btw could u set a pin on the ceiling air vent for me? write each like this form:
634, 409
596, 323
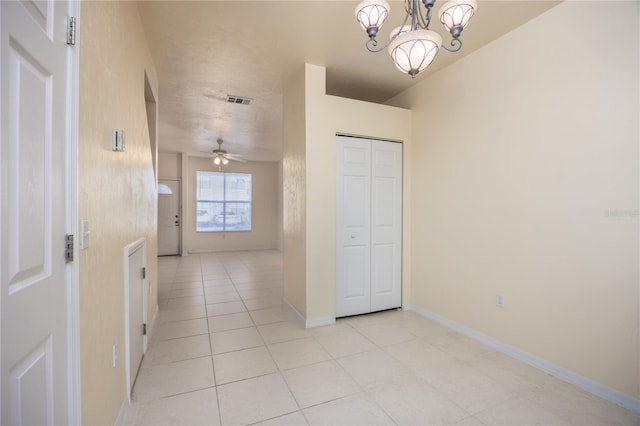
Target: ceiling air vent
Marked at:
238, 100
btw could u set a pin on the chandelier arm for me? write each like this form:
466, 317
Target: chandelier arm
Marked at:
456, 44
424, 21
404, 22
372, 45
407, 7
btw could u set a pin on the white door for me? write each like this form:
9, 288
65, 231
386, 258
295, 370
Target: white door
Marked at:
353, 227
386, 225
169, 221
136, 317
368, 225
34, 292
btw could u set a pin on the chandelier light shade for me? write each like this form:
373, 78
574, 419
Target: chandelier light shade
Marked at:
371, 14
399, 30
413, 51
413, 46
455, 14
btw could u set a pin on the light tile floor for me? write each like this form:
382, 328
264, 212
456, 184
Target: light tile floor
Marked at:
223, 351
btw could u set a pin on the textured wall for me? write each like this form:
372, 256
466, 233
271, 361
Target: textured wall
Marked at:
264, 232
525, 177
116, 192
326, 116
169, 165
294, 193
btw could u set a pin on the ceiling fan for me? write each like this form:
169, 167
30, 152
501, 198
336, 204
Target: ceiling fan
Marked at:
222, 157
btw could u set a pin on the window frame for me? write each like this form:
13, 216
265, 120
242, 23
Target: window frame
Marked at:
209, 176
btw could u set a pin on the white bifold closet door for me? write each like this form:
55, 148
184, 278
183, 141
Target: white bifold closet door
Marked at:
368, 225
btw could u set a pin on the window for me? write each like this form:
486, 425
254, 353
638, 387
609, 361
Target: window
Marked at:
224, 202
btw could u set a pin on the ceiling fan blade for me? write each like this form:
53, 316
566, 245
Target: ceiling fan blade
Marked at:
235, 157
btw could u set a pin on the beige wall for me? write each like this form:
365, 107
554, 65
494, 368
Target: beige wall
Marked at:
267, 208
116, 193
264, 233
324, 117
294, 193
525, 170
169, 165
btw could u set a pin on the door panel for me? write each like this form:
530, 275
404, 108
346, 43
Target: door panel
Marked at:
136, 313
29, 205
383, 198
383, 272
28, 377
368, 225
353, 223
33, 123
386, 229
355, 273
169, 219
356, 206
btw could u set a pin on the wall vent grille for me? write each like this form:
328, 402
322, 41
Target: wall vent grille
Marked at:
238, 100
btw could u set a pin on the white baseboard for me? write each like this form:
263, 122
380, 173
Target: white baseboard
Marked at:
319, 322
123, 414
150, 328
294, 312
300, 318
225, 250
542, 364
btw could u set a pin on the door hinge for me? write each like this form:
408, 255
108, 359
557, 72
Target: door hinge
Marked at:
71, 31
68, 248
144, 273
144, 329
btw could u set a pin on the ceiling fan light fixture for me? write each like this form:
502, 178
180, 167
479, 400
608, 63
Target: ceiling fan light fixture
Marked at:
221, 157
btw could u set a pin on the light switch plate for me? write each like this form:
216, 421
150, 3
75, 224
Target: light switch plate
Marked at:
118, 140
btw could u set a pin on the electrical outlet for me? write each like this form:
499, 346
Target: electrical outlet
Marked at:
115, 354
500, 301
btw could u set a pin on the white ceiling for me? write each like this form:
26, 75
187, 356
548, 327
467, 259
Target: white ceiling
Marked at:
206, 50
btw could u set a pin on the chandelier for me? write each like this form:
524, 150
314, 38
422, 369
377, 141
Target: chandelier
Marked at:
413, 46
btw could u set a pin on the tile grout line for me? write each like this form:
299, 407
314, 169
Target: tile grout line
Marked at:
213, 369
279, 370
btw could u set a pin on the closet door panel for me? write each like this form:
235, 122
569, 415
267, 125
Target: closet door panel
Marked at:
353, 228
368, 225
386, 225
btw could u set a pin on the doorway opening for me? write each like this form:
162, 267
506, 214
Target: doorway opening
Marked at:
169, 217
150, 103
